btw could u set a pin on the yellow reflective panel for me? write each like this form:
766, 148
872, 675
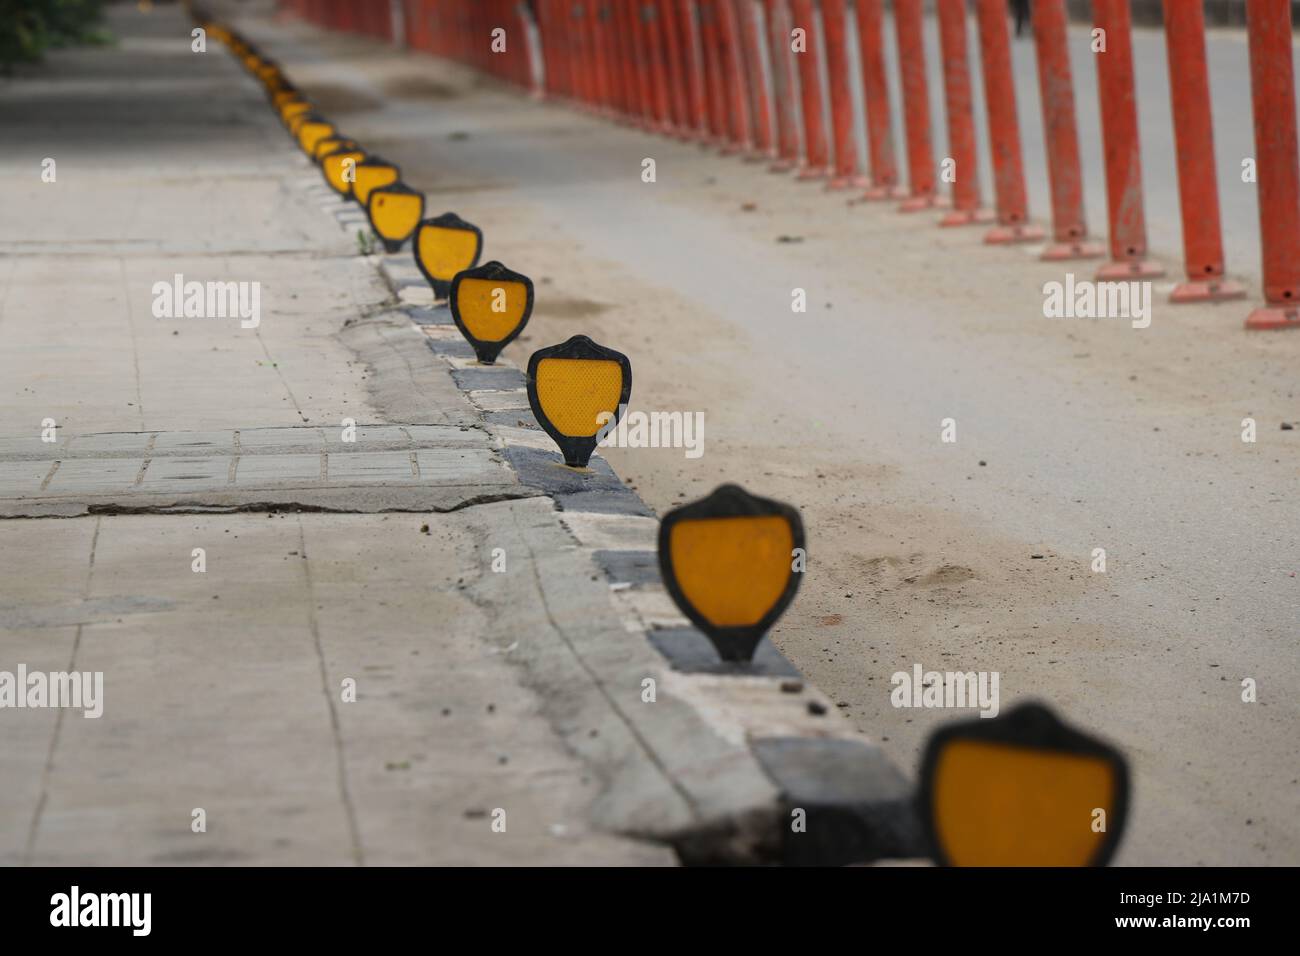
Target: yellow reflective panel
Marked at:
394, 215
574, 392
997, 804
294, 107
284, 97
491, 308
328, 145
732, 570
334, 166
297, 122
312, 132
372, 177
444, 252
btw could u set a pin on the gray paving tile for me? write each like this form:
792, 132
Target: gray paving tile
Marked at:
184, 472
22, 477
110, 443
95, 476
222, 442
251, 439
369, 467
462, 466
277, 469
31, 446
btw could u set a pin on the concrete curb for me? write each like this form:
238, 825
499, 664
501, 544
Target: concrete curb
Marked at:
751, 764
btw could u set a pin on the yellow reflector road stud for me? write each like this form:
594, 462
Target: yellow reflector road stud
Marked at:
1022, 789
312, 132
331, 144
729, 562
394, 210
444, 247
372, 173
293, 108
296, 122
335, 168
491, 306
578, 391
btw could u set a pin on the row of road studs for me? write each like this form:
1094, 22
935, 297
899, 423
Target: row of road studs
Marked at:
1022, 789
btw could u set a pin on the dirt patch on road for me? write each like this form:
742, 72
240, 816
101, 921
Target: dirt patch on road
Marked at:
332, 98
419, 87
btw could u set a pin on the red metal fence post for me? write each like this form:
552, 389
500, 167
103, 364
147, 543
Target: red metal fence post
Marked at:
658, 48
645, 65
875, 90
714, 72
733, 57
1004, 128
967, 206
1122, 146
694, 53
816, 150
625, 43
909, 26
1198, 188
1272, 87
1056, 90
599, 20
752, 46
838, 73
679, 85
778, 32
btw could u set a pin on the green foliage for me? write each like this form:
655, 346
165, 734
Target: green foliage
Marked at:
29, 27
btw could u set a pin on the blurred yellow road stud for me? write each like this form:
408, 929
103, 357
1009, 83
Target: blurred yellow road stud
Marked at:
394, 210
339, 169
445, 246
329, 145
312, 131
1022, 789
371, 173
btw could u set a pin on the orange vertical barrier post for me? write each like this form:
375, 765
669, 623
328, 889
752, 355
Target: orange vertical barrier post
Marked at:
644, 68
1198, 187
626, 60
908, 26
816, 151
787, 128
1272, 87
604, 67
834, 18
693, 51
875, 92
679, 84
714, 76
752, 47
1004, 128
733, 57
658, 49
967, 208
1056, 90
1122, 146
